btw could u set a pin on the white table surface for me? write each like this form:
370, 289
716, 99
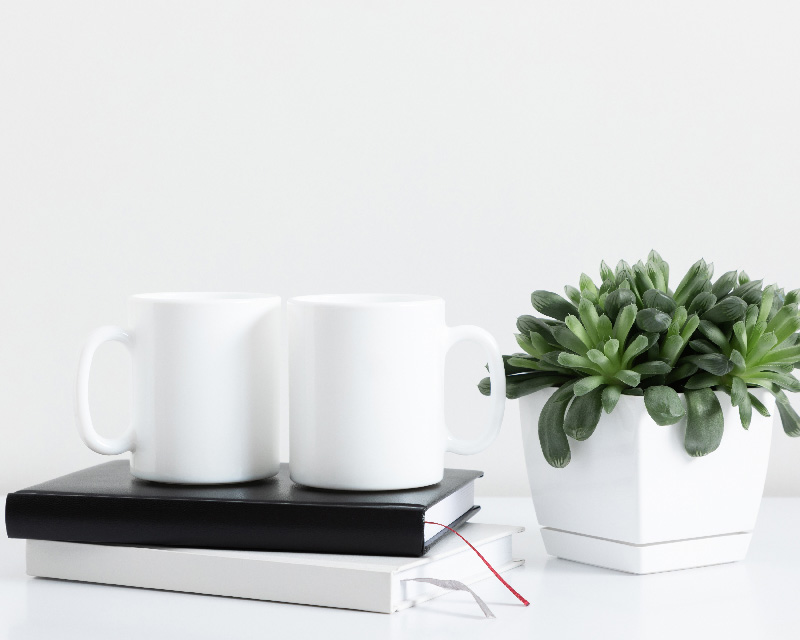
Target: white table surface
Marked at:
754, 599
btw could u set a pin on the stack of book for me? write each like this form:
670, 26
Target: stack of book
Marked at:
266, 540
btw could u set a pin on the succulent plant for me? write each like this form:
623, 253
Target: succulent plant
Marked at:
633, 335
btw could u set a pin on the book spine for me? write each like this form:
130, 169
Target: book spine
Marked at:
344, 529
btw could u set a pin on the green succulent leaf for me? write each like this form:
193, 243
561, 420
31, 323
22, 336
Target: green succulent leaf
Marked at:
631, 378
724, 284
671, 349
530, 324
573, 295
552, 305
605, 272
703, 346
583, 415
519, 386
717, 364
574, 361
730, 309
552, 438
653, 368
738, 361
787, 354
679, 318
526, 345
610, 397
759, 406
751, 317
587, 384
632, 391
623, 270
789, 418
738, 392
540, 344
611, 350
569, 340
664, 405
767, 298
784, 316
604, 328
588, 288
652, 340
740, 337
618, 300
754, 334
575, 325
689, 328
590, 319
750, 291
510, 369
688, 283
713, 333
658, 269
777, 367
702, 380
704, 422
601, 360
655, 299
606, 287
784, 381
624, 322
785, 331
642, 278
525, 363
762, 347
637, 346
702, 302
746, 411
681, 371
653, 320
549, 362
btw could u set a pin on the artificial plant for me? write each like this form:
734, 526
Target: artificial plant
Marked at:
634, 335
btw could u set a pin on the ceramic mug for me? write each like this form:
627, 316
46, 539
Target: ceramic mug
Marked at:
366, 389
205, 387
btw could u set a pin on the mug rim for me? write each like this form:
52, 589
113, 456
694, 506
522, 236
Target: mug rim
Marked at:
202, 297
353, 300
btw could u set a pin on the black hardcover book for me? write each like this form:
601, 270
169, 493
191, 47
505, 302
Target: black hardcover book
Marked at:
105, 504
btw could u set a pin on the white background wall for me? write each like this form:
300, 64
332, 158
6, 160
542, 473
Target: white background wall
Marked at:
474, 150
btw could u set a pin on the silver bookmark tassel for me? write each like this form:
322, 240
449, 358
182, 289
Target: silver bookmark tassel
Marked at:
455, 585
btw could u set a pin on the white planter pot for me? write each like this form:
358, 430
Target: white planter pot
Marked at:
632, 499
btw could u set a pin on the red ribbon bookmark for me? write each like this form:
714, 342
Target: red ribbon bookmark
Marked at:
485, 561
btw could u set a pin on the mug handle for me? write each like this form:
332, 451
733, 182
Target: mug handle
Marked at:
498, 397
83, 418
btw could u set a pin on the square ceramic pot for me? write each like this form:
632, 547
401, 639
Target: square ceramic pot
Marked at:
632, 499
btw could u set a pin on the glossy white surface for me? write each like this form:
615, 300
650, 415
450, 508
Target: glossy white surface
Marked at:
632, 480
206, 385
747, 600
366, 388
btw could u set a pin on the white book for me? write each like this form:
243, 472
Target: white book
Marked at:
367, 583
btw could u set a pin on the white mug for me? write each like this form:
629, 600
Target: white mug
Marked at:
366, 389
206, 387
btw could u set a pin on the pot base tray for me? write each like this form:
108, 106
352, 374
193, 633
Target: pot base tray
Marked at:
646, 558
